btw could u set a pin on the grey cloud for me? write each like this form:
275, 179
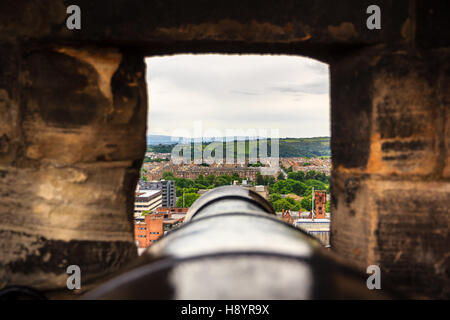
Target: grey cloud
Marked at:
246, 93
227, 91
309, 88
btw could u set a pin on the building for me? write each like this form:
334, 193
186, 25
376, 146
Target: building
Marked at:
320, 201
194, 171
151, 227
318, 228
318, 164
147, 200
263, 191
167, 188
148, 229
172, 223
286, 216
172, 210
168, 212
173, 217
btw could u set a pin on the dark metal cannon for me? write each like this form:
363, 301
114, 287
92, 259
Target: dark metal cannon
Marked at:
232, 246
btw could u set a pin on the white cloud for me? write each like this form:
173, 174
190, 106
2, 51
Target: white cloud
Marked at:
288, 93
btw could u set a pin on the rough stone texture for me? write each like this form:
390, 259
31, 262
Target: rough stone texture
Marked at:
390, 182
73, 116
73, 138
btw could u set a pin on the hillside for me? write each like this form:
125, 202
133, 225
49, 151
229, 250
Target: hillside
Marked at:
305, 147
289, 147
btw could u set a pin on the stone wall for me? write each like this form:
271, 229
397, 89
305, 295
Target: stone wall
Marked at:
390, 177
72, 141
73, 119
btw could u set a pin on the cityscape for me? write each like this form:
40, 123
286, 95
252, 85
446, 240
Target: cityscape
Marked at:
298, 191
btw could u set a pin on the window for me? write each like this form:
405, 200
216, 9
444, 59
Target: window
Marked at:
209, 99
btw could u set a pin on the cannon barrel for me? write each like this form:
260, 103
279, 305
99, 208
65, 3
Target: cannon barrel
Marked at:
233, 246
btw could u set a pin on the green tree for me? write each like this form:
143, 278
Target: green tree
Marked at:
210, 180
144, 213
289, 186
143, 173
189, 199
270, 180
257, 164
190, 190
200, 186
286, 204
167, 175
297, 206
298, 187
259, 179
201, 180
290, 200
312, 174
318, 185
274, 197
181, 183
282, 187
223, 180
305, 203
281, 204
299, 176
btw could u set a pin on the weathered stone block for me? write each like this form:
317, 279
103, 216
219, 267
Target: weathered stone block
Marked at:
402, 226
66, 193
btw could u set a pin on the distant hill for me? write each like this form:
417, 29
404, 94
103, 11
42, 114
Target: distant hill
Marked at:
153, 140
161, 139
289, 147
305, 147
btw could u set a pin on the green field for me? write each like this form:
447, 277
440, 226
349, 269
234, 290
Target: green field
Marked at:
289, 147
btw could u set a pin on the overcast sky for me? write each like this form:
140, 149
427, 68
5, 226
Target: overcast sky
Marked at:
288, 93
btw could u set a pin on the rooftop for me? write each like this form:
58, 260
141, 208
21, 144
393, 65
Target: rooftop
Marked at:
147, 193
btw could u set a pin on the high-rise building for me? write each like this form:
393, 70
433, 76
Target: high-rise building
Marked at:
167, 188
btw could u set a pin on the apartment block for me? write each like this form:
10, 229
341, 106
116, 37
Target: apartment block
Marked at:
148, 229
147, 200
167, 187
